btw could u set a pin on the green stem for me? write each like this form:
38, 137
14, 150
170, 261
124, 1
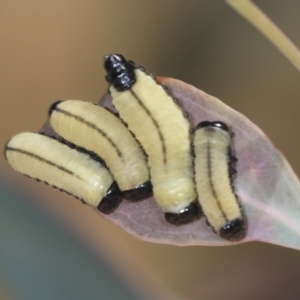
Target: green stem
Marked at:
258, 19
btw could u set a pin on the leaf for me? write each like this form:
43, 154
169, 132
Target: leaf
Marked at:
267, 187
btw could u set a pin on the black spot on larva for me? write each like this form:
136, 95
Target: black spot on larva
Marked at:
153, 76
111, 200
165, 88
186, 215
185, 114
208, 224
175, 100
120, 72
233, 159
233, 230
138, 193
53, 106
143, 69
232, 171
193, 154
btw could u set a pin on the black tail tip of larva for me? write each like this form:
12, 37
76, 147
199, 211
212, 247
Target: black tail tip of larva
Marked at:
216, 124
111, 200
186, 215
234, 230
53, 106
138, 193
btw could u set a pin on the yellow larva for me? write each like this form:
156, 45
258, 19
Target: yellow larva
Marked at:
213, 173
48, 160
98, 130
164, 133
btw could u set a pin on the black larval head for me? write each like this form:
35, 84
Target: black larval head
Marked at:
120, 72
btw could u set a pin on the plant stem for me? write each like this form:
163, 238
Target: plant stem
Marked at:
254, 15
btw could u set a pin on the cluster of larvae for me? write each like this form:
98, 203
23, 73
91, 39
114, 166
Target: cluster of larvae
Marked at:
148, 148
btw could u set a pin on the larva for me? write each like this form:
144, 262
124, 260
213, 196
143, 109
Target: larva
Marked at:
214, 181
163, 131
98, 130
46, 159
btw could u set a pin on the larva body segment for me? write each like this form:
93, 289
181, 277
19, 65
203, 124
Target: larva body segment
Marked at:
163, 131
213, 174
98, 130
48, 160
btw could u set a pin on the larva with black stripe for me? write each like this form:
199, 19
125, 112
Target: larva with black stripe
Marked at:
48, 160
159, 125
98, 130
214, 180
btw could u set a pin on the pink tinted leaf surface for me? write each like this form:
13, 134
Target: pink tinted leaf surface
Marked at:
266, 185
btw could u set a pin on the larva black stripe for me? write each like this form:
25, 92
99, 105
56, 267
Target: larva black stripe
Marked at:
161, 137
211, 184
48, 162
92, 126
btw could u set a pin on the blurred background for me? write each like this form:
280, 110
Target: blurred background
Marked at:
54, 49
